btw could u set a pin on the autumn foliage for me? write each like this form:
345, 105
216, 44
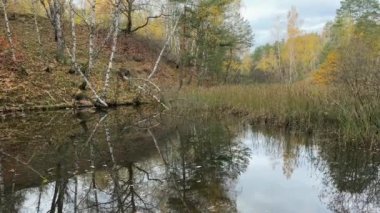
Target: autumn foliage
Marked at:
325, 74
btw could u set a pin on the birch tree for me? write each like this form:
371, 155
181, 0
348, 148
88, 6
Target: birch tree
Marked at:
8, 29
58, 31
129, 7
34, 11
91, 46
116, 21
293, 32
54, 12
277, 36
76, 67
73, 33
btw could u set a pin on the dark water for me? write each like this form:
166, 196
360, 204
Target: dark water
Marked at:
139, 161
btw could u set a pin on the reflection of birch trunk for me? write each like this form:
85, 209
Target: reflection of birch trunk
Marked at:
76, 165
59, 191
116, 20
1, 182
131, 187
8, 29
173, 176
94, 187
157, 147
39, 198
89, 142
96, 128
61, 195
114, 173
183, 167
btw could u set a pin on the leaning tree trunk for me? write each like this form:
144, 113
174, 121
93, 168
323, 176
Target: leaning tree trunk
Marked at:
74, 61
91, 51
9, 34
164, 48
58, 31
116, 22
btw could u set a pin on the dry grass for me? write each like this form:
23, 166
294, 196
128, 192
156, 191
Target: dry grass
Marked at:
300, 106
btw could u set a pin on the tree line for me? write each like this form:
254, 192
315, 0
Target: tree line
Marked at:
337, 54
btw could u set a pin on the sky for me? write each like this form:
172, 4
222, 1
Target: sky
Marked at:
262, 15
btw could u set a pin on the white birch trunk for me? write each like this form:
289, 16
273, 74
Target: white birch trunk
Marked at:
9, 34
58, 29
98, 98
34, 10
73, 57
163, 49
116, 21
73, 34
91, 52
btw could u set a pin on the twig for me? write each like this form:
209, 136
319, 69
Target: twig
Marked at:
147, 174
23, 163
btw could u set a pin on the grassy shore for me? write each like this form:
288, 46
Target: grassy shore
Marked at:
300, 106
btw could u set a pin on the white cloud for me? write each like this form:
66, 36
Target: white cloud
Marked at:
262, 15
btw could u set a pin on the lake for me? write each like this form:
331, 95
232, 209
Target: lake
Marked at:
138, 160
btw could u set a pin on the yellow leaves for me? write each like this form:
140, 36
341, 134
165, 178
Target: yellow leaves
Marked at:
217, 15
246, 64
212, 12
20, 6
325, 74
293, 30
308, 48
154, 30
242, 65
268, 62
304, 50
103, 11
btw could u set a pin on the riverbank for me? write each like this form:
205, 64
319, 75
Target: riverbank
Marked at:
300, 106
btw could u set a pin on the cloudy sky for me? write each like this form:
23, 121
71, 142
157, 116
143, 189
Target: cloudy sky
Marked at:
262, 15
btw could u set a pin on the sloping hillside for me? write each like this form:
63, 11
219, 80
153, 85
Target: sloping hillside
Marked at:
28, 83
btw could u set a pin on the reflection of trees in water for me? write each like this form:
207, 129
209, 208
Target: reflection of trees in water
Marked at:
292, 149
205, 161
350, 172
110, 163
8, 199
106, 163
109, 184
352, 179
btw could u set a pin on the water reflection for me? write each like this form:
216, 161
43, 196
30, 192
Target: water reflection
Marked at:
139, 161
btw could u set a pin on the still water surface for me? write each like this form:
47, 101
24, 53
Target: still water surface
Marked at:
139, 161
